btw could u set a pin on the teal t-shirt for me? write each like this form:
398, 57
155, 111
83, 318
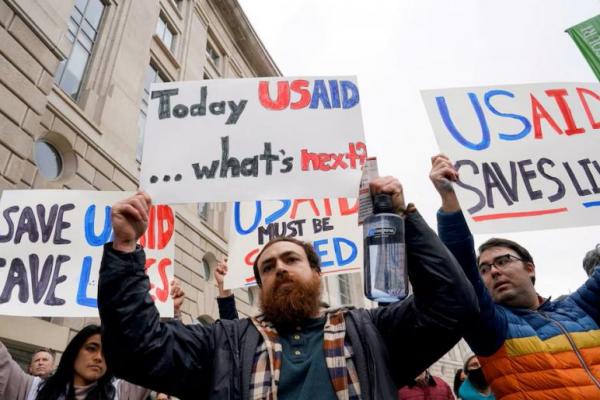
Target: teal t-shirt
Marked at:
304, 374
468, 392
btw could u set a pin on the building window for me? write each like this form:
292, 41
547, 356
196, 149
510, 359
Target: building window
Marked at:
48, 159
344, 283
83, 31
203, 211
152, 76
165, 32
212, 54
206, 267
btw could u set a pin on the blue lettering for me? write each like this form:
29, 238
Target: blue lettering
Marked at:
321, 252
90, 234
350, 96
335, 93
485, 130
285, 206
84, 279
320, 93
526, 124
337, 247
237, 218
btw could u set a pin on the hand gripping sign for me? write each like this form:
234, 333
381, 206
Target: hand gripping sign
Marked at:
528, 156
51, 244
247, 139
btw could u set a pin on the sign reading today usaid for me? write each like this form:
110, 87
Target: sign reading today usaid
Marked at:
253, 139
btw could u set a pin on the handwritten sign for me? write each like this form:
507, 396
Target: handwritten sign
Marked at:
329, 224
528, 156
247, 139
51, 244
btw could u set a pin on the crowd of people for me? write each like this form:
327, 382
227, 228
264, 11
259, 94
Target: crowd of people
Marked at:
525, 346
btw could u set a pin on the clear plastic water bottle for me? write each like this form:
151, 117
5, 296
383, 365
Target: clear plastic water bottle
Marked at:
385, 275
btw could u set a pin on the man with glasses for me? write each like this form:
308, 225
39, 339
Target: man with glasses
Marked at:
529, 347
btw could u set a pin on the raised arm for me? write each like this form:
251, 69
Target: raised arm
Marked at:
588, 296
422, 328
165, 356
225, 299
485, 333
14, 382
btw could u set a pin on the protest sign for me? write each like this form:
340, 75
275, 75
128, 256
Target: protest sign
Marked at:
51, 244
586, 36
329, 224
247, 139
528, 156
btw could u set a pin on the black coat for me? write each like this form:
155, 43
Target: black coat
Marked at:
391, 344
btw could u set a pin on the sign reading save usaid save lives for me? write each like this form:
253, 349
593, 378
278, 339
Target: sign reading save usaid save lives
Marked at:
248, 139
528, 156
51, 244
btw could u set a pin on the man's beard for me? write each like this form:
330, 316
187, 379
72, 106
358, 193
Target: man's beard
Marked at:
293, 303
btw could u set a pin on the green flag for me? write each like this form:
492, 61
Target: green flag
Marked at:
587, 37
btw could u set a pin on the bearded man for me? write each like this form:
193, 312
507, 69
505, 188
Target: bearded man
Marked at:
294, 349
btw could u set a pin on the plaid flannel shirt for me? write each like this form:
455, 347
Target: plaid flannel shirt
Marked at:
338, 358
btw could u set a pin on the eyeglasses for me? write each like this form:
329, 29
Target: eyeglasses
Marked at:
498, 262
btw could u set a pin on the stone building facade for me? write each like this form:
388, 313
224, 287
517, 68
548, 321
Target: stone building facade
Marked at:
74, 82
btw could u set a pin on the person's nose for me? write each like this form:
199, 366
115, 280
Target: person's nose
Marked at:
494, 271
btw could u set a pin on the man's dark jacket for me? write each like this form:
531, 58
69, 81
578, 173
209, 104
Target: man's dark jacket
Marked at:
391, 344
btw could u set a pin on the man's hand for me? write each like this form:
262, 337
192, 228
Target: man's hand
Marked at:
178, 295
130, 220
220, 272
442, 175
391, 186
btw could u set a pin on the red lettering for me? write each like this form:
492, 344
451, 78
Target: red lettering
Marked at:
581, 92
339, 161
164, 215
298, 86
559, 96
297, 202
283, 95
163, 293
306, 157
538, 112
345, 209
323, 160
249, 259
327, 204
320, 161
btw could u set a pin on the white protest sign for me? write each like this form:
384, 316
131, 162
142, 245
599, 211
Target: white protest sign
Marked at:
329, 224
528, 156
51, 244
247, 139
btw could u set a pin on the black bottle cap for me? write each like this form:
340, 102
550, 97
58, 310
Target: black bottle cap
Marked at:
382, 203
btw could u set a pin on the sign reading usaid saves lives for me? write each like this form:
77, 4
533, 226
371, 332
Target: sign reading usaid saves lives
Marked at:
51, 244
528, 156
248, 139
329, 224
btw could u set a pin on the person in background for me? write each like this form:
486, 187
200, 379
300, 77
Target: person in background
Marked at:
591, 260
42, 363
459, 378
529, 347
475, 387
426, 387
82, 374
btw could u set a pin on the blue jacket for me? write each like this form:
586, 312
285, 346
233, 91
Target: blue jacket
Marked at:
549, 353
